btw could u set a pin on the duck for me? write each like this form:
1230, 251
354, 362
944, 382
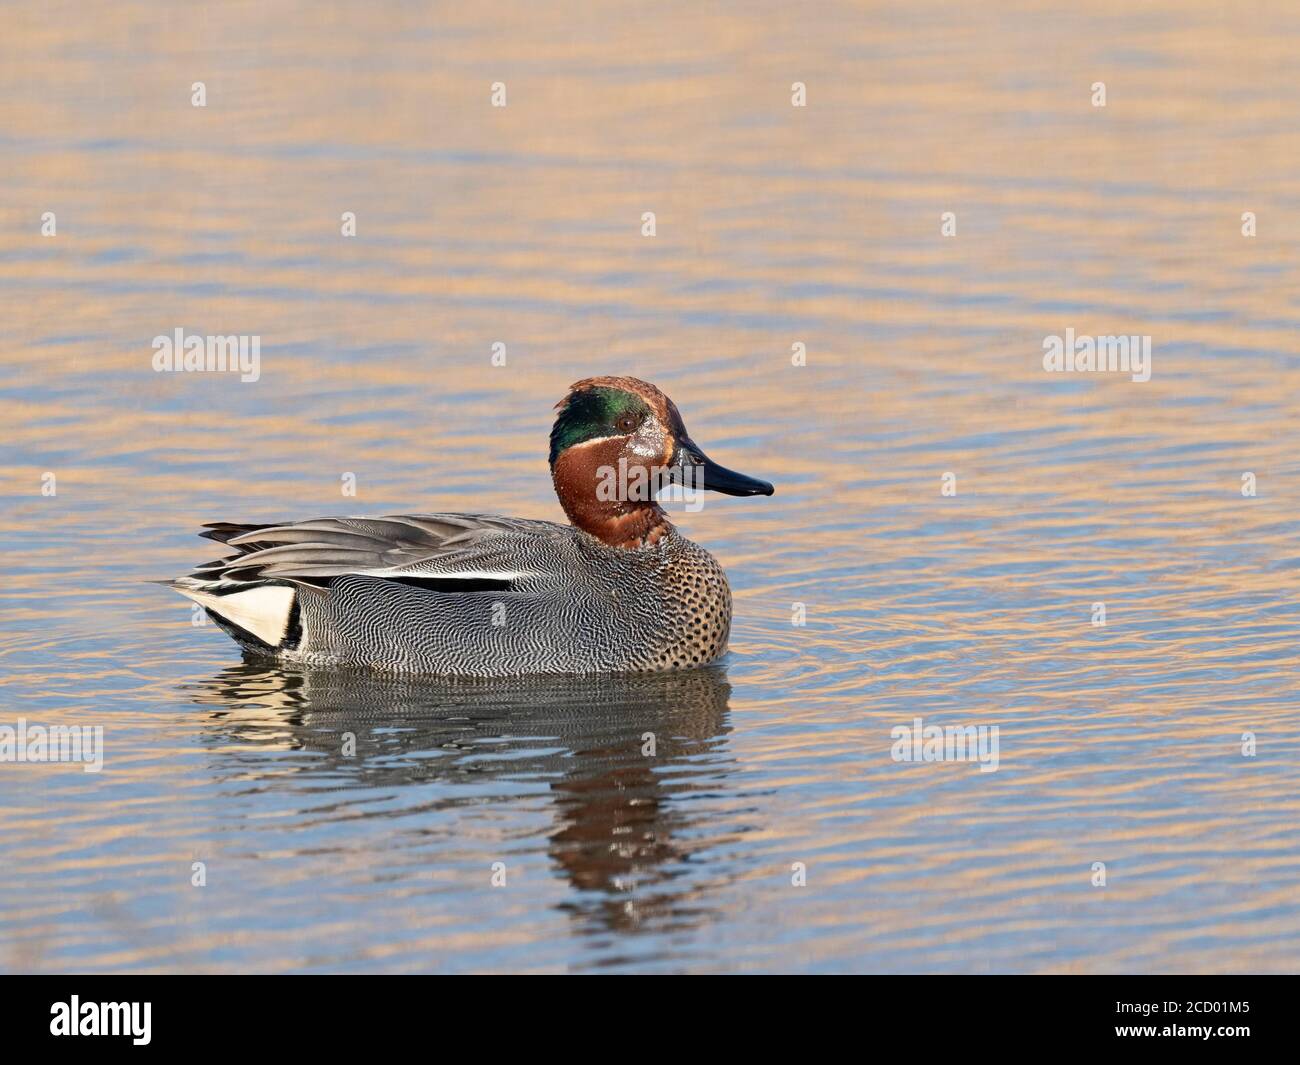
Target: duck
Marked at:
619, 589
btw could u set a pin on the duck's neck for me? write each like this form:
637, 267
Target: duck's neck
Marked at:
621, 523
640, 525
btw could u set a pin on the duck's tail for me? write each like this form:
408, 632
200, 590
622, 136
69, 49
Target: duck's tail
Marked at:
260, 615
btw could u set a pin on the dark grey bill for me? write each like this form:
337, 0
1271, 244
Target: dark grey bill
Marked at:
694, 468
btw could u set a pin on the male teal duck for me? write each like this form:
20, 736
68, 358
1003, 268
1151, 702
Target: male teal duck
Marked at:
618, 590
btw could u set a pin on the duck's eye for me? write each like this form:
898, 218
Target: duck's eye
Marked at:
626, 423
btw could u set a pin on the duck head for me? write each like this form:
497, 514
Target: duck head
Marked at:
615, 441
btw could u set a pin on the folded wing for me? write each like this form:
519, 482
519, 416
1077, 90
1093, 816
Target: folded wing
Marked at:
438, 548
254, 592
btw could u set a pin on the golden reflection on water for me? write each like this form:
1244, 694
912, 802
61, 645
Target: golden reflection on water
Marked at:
616, 827
775, 225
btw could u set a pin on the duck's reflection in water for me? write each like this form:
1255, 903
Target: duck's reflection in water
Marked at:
621, 754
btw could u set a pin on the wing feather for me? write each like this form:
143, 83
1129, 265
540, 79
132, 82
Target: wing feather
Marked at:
471, 547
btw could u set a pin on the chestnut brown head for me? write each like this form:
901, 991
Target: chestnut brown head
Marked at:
625, 428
